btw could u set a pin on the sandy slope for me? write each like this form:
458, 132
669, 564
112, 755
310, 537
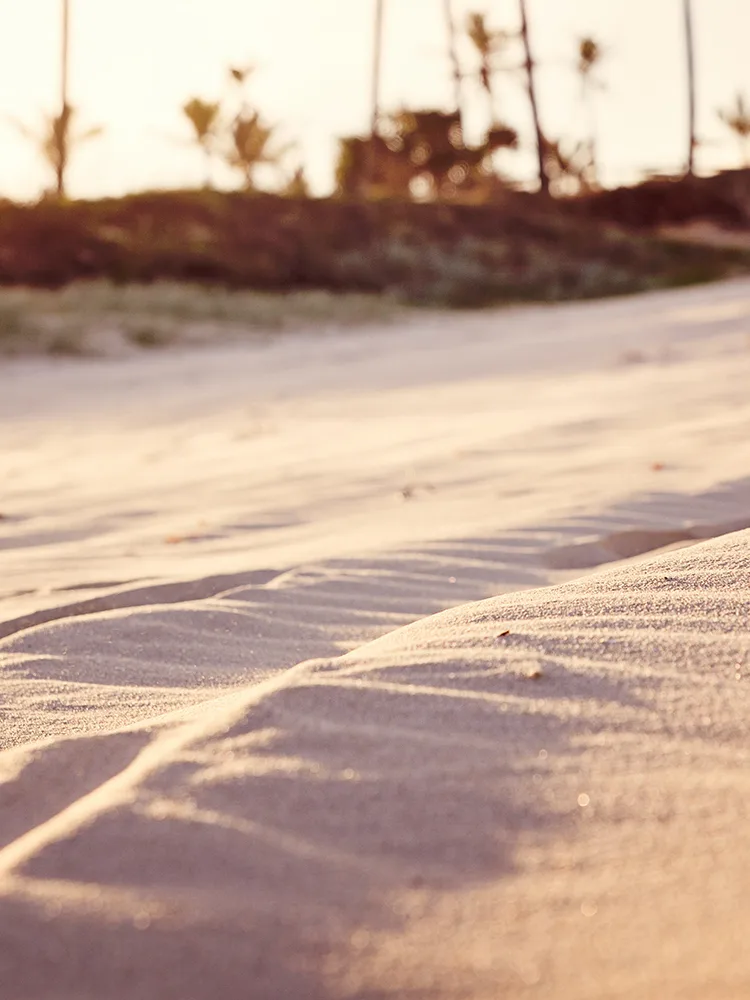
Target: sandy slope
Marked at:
448, 810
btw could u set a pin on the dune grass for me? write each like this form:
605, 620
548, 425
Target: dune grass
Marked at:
101, 318
171, 268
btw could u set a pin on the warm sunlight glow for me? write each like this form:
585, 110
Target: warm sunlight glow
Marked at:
134, 64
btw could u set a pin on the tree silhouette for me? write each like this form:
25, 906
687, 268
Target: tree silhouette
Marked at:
241, 74
488, 44
296, 185
236, 131
419, 153
56, 140
590, 55
531, 85
205, 117
377, 68
690, 55
737, 118
253, 145
369, 167
568, 167
456, 74
63, 119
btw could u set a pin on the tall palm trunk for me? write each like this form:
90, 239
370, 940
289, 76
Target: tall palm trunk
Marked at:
453, 56
587, 99
690, 53
377, 63
540, 141
62, 160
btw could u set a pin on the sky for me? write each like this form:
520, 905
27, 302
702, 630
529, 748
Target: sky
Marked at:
134, 63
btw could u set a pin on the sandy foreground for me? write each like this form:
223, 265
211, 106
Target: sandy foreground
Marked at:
259, 740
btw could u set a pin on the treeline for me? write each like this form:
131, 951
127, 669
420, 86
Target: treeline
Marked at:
416, 154
446, 255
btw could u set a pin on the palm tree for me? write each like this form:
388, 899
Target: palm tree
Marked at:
252, 146
590, 55
737, 118
240, 74
56, 140
690, 53
377, 66
234, 100
204, 116
64, 116
296, 185
488, 44
453, 56
252, 142
540, 140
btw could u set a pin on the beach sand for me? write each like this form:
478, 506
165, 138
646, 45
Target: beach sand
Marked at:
408, 662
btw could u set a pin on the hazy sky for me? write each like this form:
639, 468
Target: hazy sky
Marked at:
135, 62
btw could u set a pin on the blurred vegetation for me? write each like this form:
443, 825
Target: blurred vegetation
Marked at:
421, 154
737, 118
56, 140
204, 118
420, 216
235, 132
590, 57
493, 47
416, 153
433, 254
102, 318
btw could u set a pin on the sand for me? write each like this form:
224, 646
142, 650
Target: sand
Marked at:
397, 663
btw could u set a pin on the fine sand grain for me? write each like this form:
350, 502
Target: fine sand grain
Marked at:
407, 663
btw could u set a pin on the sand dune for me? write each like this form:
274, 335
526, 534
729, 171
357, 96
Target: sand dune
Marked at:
545, 790
380, 667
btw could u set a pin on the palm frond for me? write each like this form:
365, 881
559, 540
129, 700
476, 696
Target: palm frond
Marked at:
203, 116
737, 117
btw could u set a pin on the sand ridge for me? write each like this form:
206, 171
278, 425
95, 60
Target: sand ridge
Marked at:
570, 760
